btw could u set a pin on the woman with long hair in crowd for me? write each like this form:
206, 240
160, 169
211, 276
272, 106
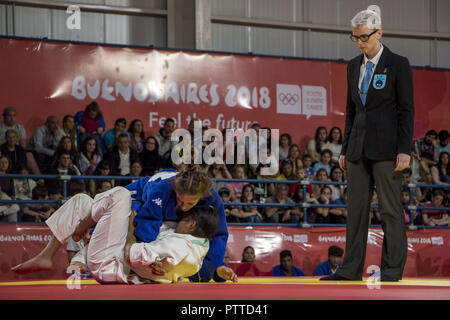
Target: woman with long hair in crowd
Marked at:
285, 143
316, 144
295, 157
137, 135
103, 169
70, 130
149, 156
89, 157
334, 144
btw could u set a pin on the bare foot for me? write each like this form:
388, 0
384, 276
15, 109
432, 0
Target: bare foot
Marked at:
35, 264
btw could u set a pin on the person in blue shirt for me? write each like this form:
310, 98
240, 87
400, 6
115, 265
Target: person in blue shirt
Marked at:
286, 267
330, 266
163, 197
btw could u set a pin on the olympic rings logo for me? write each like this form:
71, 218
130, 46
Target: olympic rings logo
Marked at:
288, 98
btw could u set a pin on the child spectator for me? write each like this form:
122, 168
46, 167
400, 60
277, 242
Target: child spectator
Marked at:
332, 264
436, 217
307, 165
417, 218
248, 254
295, 157
321, 214
104, 185
37, 212
286, 267
337, 175
103, 169
321, 176
287, 172
334, 144
236, 187
325, 161
285, 143
90, 156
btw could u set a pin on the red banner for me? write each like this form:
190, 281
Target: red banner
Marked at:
226, 91
428, 249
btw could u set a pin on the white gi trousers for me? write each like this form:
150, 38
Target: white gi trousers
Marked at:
105, 252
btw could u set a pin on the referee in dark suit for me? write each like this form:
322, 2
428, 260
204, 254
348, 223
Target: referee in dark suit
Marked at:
379, 127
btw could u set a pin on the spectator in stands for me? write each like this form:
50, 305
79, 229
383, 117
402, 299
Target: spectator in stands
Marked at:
136, 168
436, 217
121, 156
103, 169
231, 213
407, 179
322, 214
287, 170
416, 216
282, 214
89, 157
315, 145
44, 141
330, 266
150, 157
64, 166
66, 145
339, 215
90, 122
249, 214
285, 143
238, 172
374, 213
23, 188
307, 165
263, 190
334, 144
295, 157
426, 192
35, 212
9, 122
325, 161
337, 175
300, 176
137, 135
425, 151
248, 254
441, 171
218, 171
163, 138
286, 267
15, 152
6, 184
111, 135
104, 185
321, 176
55, 194
70, 129
443, 144
8, 212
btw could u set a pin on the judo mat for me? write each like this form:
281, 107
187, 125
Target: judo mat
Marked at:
261, 288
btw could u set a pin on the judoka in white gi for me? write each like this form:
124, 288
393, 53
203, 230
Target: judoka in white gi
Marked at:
179, 247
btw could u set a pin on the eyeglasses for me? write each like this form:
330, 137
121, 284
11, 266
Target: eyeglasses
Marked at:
363, 37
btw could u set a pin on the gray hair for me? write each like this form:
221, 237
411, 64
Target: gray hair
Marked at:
371, 18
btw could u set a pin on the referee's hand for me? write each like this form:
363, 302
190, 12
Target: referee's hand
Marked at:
402, 163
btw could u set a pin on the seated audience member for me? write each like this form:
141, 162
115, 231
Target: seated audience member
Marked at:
89, 156
44, 141
137, 136
425, 151
90, 122
70, 129
121, 156
263, 190
14, 151
23, 187
440, 173
407, 179
9, 123
436, 217
300, 176
150, 158
104, 185
332, 264
8, 211
443, 145
315, 145
334, 144
322, 214
339, 215
307, 165
65, 145
374, 213
286, 267
165, 144
286, 170
285, 143
136, 168
416, 216
282, 214
36, 212
295, 157
103, 169
218, 171
110, 137
248, 214
231, 213
6, 184
337, 175
64, 166
325, 161
238, 172
248, 254
320, 176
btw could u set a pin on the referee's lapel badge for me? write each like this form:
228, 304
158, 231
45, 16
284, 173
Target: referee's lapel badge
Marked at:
379, 81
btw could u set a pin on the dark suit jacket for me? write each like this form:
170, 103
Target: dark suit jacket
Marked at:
113, 158
385, 126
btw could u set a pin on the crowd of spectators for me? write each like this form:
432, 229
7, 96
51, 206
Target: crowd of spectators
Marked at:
83, 145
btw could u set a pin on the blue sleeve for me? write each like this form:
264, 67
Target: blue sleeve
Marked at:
217, 246
101, 122
149, 218
276, 271
108, 138
137, 192
78, 118
299, 272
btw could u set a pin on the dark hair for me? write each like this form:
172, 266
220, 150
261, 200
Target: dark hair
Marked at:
243, 251
39, 192
288, 136
170, 120
131, 127
74, 187
60, 149
104, 164
246, 186
154, 139
439, 165
330, 137
335, 251
431, 133
443, 135
207, 220
285, 253
121, 120
93, 106
334, 169
192, 180
83, 147
9, 162
316, 137
326, 151
438, 192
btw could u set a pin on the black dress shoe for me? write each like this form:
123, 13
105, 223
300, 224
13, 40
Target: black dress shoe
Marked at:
386, 278
334, 277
